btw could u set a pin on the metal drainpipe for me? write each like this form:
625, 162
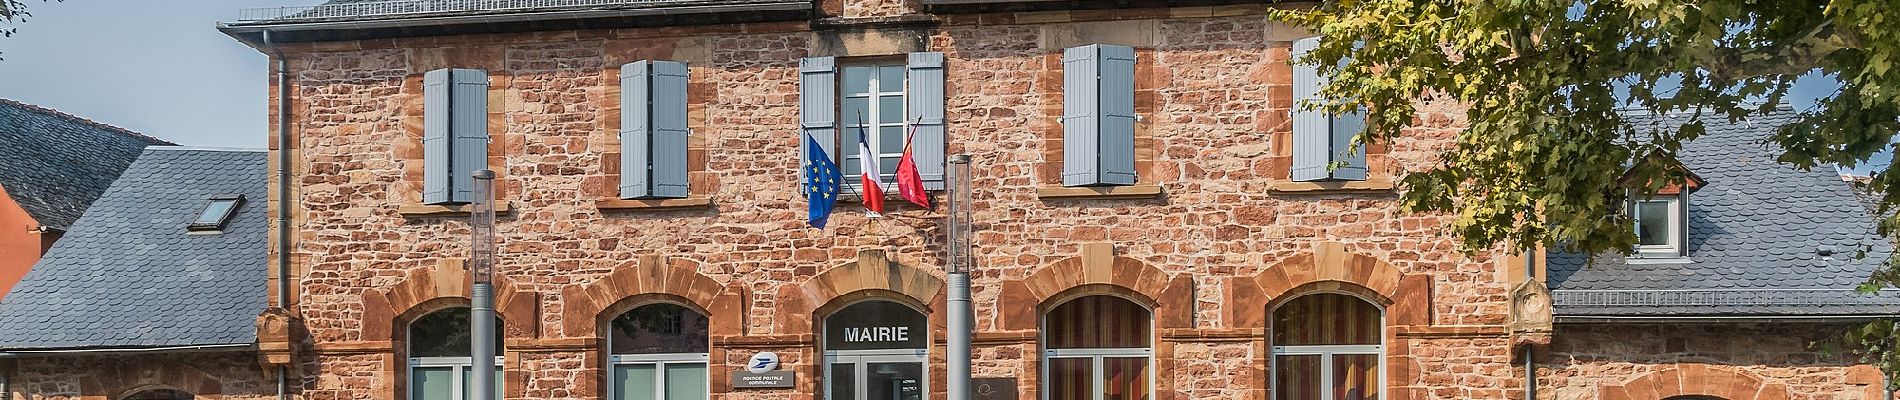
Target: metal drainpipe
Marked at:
1530, 355
283, 196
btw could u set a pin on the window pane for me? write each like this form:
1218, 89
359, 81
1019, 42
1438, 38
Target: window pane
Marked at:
890, 109
1125, 378
856, 111
1296, 378
468, 381
1098, 322
889, 165
160, 394
659, 328
686, 381
1356, 376
444, 333
1652, 223
890, 78
214, 213
895, 381
1326, 318
891, 140
844, 381
857, 80
433, 383
1071, 379
635, 382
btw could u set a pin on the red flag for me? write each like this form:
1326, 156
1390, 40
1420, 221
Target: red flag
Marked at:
909, 184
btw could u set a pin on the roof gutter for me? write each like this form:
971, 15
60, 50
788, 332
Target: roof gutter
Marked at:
124, 350
398, 22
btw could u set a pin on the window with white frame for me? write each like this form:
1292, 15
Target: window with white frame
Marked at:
872, 107
1098, 348
1327, 346
658, 352
1658, 224
439, 362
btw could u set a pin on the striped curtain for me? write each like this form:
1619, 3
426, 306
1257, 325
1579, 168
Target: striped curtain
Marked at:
1099, 322
1326, 319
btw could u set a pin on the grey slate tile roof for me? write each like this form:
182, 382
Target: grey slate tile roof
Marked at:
1755, 230
128, 276
54, 164
362, 10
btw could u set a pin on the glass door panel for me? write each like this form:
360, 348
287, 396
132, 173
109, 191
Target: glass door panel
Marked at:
894, 381
843, 379
635, 382
685, 381
432, 383
1125, 378
1071, 379
1356, 376
468, 381
1297, 377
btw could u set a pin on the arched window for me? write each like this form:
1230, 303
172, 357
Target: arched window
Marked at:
159, 394
1098, 348
439, 360
1694, 397
658, 352
876, 350
1327, 347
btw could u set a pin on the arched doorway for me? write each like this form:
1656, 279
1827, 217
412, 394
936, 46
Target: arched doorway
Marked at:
1098, 347
876, 350
1694, 397
439, 355
658, 351
159, 394
1327, 346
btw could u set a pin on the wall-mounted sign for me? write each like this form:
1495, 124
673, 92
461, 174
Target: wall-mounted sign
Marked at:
763, 362
876, 325
992, 388
765, 380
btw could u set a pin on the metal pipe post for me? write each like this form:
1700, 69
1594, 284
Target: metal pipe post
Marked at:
481, 261
957, 296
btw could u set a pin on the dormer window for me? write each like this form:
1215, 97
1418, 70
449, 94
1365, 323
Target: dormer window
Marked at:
216, 214
1659, 223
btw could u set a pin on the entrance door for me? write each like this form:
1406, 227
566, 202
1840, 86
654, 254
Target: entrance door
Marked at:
876, 350
875, 375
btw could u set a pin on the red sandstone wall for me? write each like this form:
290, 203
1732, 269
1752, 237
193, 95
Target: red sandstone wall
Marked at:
231, 375
1650, 361
21, 244
1214, 140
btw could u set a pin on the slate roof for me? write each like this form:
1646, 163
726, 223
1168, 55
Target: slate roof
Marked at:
364, 10
54, 164
1755, 233
127, 275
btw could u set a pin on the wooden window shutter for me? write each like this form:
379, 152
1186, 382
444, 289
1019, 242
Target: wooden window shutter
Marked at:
1098, 115
653, 130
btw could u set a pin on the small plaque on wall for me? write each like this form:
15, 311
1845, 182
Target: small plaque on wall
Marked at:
761, 380
992, 388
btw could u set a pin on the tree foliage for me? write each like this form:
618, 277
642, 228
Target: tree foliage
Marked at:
1544, 83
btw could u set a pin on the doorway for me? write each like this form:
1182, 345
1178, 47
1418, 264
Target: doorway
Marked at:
876, 350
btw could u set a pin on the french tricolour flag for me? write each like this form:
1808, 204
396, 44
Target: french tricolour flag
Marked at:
873, 189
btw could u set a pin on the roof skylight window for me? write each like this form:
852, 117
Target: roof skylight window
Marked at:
216, 213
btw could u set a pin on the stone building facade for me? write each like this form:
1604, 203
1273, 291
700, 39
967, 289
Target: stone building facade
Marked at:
1213, 245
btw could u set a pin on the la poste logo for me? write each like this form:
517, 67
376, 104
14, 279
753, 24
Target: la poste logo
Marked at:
762, 363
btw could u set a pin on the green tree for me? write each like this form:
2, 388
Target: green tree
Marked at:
1540, 162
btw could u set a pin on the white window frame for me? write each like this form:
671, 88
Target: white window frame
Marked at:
458, 366
872, 126
1096, 378
659, 361
1326, 353
1673, 245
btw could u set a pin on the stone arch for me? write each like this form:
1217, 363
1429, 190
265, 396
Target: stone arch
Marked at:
1405, 298
1099, 271
871, 275
124, 379
586, 306
1680, 380
430, 288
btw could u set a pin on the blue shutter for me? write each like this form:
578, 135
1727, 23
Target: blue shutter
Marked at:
925, 113
1098, 115
817, 105
435, 136
1312, 130
469, 125
1322, 143
653, 129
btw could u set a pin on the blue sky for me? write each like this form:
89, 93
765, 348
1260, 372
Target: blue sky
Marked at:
161, 68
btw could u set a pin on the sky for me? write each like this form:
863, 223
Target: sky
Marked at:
162, 68
157, 67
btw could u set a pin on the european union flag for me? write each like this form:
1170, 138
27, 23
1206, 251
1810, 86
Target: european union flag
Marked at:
821, 183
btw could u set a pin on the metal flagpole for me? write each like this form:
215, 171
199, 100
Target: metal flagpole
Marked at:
957, 296
481, 262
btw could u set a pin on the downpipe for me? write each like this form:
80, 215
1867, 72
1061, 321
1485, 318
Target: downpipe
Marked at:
283, 195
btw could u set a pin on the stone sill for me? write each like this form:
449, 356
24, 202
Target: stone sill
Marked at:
1369, 185
1099, 192
437, 210
653, 204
